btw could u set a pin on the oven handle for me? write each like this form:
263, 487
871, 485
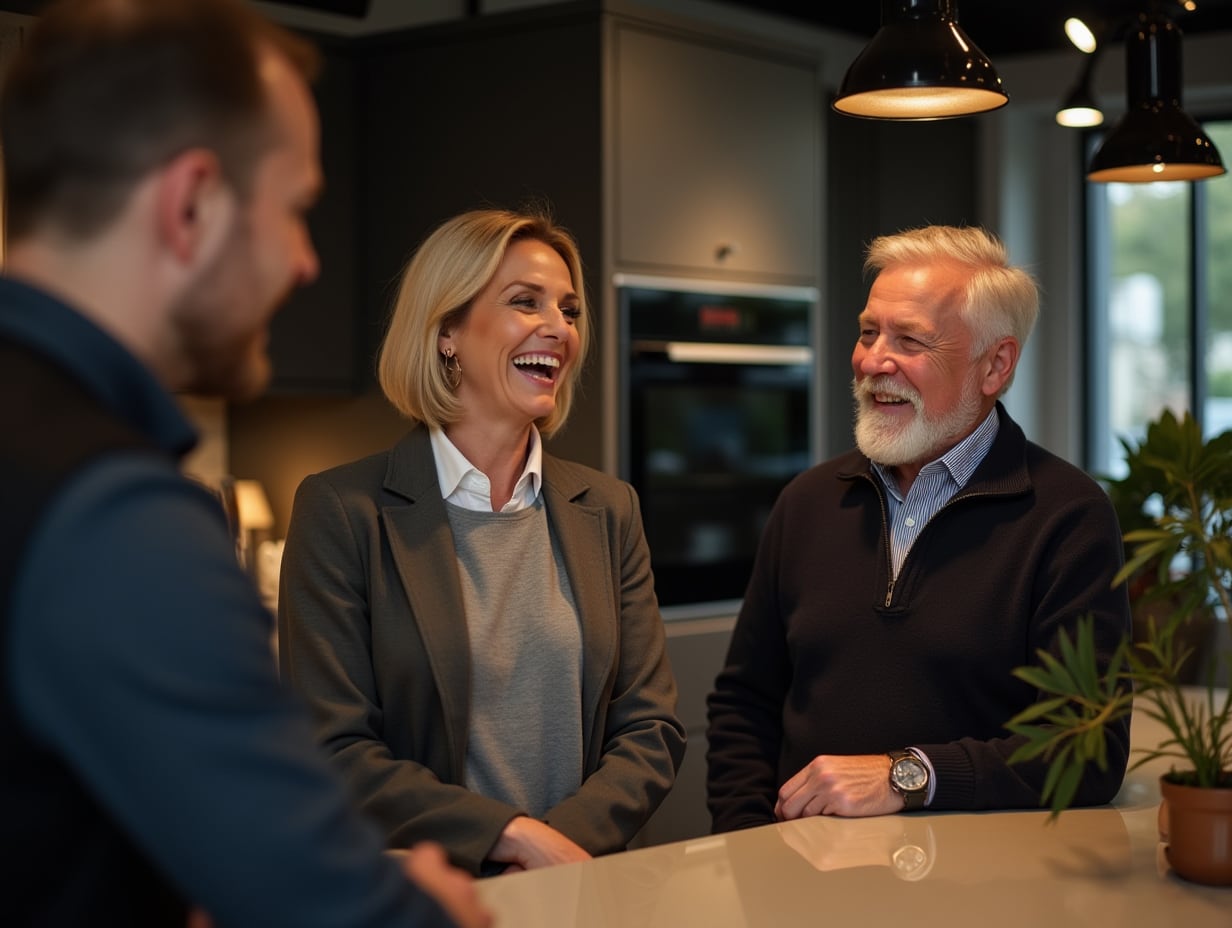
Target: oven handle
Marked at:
725, 353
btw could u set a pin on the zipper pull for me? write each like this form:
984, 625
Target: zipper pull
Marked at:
889, 593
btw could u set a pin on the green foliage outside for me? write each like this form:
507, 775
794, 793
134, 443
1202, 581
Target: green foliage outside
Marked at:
1151, 235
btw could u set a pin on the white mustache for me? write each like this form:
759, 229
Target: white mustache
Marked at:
867, 388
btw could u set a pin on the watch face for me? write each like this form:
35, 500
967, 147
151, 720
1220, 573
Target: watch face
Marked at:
909, 774
909, 860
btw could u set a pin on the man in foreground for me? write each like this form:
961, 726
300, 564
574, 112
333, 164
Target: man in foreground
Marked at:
160, 156
898, 586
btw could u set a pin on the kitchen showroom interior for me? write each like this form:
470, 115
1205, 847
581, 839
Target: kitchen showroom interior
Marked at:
723, 167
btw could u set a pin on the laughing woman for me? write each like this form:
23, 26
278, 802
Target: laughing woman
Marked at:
473, 620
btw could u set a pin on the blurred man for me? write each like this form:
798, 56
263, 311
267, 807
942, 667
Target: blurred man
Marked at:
898, 586
159, 156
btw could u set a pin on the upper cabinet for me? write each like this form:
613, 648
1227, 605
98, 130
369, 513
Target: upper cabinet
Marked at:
317, 340
717, 158
666, 145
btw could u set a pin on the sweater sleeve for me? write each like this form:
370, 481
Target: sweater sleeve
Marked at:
745, 709
140, 653
1079, 551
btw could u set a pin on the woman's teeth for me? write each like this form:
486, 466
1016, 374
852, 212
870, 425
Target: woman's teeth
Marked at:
542, 365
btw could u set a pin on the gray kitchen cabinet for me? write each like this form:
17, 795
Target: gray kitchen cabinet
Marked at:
498, 111
569, 105
316, 340
717, 157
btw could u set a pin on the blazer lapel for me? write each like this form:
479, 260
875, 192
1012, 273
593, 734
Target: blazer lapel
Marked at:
581, 534
422, 546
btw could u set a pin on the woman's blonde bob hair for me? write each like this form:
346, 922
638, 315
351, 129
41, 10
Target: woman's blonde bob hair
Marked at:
438, 286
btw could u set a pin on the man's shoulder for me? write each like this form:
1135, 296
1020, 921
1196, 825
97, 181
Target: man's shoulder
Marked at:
1052, 474
842, 468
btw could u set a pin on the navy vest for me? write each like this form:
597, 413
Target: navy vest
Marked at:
65, 861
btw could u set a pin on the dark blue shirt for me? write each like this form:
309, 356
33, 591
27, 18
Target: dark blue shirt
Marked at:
140, 653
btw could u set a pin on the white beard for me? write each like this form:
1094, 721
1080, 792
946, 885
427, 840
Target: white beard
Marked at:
884, 440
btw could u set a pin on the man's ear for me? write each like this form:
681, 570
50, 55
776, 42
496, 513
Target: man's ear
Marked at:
195, 206
1000, 364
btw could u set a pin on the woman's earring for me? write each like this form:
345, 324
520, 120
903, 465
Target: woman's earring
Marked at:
453, 369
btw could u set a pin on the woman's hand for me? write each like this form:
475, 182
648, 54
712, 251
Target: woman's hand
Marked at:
527, 843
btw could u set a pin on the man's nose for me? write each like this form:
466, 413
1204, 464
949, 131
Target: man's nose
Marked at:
308, 264
875, 358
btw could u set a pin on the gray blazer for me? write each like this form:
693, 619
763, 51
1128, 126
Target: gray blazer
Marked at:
372, 632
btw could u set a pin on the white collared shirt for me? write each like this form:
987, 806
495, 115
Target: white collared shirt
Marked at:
465, 485
935, 485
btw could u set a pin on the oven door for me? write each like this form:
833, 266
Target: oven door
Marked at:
714, 432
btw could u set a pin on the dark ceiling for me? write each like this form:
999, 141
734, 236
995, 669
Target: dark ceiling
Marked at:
998, 27
1005, 27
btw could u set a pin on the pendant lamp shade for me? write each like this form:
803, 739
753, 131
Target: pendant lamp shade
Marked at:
1080, 108
919, 65
1155, 139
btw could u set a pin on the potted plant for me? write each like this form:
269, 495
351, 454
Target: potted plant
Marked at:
1188, 543
1138, 497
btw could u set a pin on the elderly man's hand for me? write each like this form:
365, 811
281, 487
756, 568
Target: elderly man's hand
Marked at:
853, 785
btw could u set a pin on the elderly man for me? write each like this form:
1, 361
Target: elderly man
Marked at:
897, 586
159, 158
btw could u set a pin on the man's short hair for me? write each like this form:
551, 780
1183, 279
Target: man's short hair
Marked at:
104, 91
999, 300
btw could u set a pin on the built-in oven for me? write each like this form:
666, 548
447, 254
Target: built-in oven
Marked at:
718, 388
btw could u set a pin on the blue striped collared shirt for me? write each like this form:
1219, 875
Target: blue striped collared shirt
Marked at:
933, 488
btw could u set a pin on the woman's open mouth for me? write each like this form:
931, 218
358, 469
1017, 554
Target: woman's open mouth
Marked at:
540, 367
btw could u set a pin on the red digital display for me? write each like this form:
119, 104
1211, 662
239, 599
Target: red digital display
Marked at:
719, 318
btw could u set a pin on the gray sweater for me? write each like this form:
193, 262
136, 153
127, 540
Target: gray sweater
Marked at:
524, 746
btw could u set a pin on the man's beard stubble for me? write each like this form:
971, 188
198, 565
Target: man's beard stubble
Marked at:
224, 332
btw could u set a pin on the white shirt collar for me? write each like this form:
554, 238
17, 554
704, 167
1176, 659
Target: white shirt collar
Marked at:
960, 461
465, 485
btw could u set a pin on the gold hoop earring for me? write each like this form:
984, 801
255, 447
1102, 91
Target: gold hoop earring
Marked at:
453, 369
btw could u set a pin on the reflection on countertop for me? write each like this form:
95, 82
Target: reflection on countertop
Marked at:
1102, 866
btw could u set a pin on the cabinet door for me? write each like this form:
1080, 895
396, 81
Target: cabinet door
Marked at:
315, 340
717, 158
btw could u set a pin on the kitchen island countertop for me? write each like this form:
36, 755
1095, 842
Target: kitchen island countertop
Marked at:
1103, 866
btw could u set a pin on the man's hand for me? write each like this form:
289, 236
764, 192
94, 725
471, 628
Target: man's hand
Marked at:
528, 843
427, 866
852, 785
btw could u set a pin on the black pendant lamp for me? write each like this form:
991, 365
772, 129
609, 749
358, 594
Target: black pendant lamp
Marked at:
1080, 109
920, 65
1155, 139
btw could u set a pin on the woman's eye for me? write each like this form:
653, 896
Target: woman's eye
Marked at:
572, 313
524, 301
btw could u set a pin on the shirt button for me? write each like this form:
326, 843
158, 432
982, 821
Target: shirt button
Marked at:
910, 522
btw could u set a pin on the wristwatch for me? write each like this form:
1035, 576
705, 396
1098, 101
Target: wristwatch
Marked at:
909, 778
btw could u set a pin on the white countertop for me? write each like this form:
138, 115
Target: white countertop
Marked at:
1092, 867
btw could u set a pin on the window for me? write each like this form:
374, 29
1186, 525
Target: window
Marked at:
1160, 295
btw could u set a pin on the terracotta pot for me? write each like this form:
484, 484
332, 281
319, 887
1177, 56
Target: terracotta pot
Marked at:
1197, 824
